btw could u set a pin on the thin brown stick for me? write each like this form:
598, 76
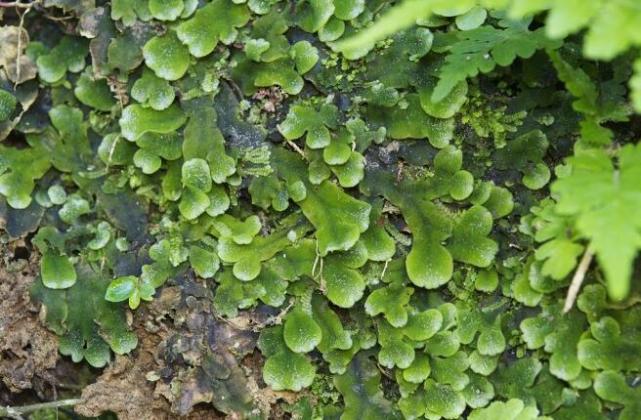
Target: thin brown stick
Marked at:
17, 412
577, 279
16, 4
19, 53
296, 148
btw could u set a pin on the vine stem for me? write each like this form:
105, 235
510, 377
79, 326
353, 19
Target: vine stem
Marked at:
577, 279
17, 412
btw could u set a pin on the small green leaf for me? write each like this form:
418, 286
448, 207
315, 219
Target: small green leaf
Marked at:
241, 232
74, 207
121, 288
411, 122
193, 203
137, 120
486, 281
130, 10
612, 386
216, 21
57, 271
312, 15
471, 19
254, 48
446, 107
339, 219
147, 161
196, 175
167, 10
526, 153
303, 119
166, 56
153, 91
419, 370
513, 409
334, 336
93, 93
442, 400
559, 334
392, 301
204, 262
102, 238
560, 256
301, 333
344, 286
469, 242
348, 9
68, 55
280, 72
305, 55
422, 326
288, 371
610, 348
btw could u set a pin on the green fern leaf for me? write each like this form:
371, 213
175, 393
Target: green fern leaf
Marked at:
480, 50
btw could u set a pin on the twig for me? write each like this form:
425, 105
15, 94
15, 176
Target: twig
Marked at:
577, 279
274, 320
384, 269
318, 263
16, 4
17, 412
19, 50
296, 148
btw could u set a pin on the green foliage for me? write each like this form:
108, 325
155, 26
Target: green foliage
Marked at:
560, 336
512, 409
605, 215
596, 107
129, 288
611, 386
563, 19
136, 121
301, 332
88, 325
153, 91
283, 369
526, 154
18, 171
360, 387
392, 301
609, 349
215, 22
68, 55
440, 236
57, 271
387, 199
412, 122
305, 120
480, 50
94, 93
166, 56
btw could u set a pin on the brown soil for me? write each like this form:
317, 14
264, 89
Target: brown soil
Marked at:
28, 351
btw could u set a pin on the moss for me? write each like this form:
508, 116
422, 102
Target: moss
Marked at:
387, 201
